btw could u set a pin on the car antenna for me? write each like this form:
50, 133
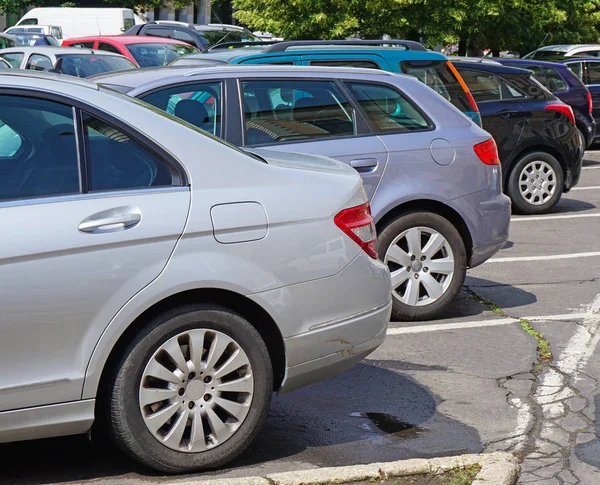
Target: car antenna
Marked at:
544, 40
484, 56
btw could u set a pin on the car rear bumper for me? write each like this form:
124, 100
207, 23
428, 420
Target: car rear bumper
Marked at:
331, 323
573, 168
493, 230
329, 351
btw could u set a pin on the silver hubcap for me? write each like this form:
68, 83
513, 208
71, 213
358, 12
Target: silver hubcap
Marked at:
537, 183
421, 263
196, 390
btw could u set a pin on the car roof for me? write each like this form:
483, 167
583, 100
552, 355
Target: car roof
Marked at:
568, 60
129, 39
568, 47
531, 62
139, 77
56, 51
10, 74
495, 68
483, 60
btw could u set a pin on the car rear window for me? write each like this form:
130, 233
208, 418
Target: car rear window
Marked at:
90, 65
35, 40
154, 55
217, 36
439, 77
547, 55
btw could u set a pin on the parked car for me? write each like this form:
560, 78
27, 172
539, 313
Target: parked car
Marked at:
178, 365
398, 56
143, 51
200, 36
540, 147
431, 175
564, 50
566, 86
65, 60
30, 39
79, 22
53, 30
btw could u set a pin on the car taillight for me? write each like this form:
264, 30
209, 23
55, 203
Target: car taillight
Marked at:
359, 225
590, 104
487, 152
562, 108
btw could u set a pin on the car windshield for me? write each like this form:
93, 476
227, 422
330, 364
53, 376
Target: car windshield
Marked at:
154, 55
27, 39
217, 36
89, 65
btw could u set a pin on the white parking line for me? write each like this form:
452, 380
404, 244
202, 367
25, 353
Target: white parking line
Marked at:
548, 218
590, 168
491, 322
544, 258
592, 187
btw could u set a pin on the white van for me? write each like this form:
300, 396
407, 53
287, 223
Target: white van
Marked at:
82, 22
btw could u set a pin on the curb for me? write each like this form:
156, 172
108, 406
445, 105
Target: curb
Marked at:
496, 469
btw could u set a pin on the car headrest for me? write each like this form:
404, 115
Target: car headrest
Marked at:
191, 111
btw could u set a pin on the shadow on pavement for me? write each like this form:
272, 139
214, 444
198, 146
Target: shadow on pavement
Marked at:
590, 452
566, 206
340, 421
506, 296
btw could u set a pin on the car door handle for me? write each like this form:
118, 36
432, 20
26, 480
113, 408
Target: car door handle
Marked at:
507, 113
364, 164
104, 224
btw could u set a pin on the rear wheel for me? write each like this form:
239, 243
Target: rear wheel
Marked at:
427, 260
536, 183
192, 390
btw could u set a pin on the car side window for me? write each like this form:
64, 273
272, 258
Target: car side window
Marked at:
13, 58
346, 63
576, 68
183, 36
555, 81
387, 109
86, 45
592, 73
103, 46
38, 62
38, 153
158, 32
56, 33
198, 104
117, 162
540, 74
483, 86
277, 111
29, 22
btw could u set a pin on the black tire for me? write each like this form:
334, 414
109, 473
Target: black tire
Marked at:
402, 311
520, 203
124, 416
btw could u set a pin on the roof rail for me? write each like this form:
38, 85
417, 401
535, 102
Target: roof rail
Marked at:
284, 45
230, 45
171, 22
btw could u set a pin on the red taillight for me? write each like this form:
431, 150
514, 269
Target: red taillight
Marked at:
590, 104
359, 225
562, 108
487, 152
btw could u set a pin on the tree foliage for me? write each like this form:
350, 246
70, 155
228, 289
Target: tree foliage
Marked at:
518, 25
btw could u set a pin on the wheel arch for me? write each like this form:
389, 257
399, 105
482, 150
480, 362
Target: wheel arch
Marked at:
437, 208
248, 309
532, 149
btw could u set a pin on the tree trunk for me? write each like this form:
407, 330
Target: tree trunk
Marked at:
496, 52
462, 47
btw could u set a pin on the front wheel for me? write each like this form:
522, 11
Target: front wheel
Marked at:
192, 390
427, 260
536, 183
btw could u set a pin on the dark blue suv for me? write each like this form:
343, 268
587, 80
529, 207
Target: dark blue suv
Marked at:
566, 86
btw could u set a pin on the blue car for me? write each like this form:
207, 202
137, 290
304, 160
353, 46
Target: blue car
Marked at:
397, 56
563, 79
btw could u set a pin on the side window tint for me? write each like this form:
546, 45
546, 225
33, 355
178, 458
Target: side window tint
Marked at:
576, 68
347, 63
14, 59
556, 82
511, 91
540, 74
116, 162
387, 109
158, 32
108, 48
38, 154
183, 36
483, 86
198, 104
37, 62
593, 73
308, 110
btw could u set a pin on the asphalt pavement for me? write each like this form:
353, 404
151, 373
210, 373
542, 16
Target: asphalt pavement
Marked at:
471, 382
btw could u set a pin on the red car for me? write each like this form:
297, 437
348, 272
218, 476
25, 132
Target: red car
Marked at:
143, 51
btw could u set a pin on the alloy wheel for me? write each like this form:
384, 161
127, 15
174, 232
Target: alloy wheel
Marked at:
421, 264
196, 390
537, 182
